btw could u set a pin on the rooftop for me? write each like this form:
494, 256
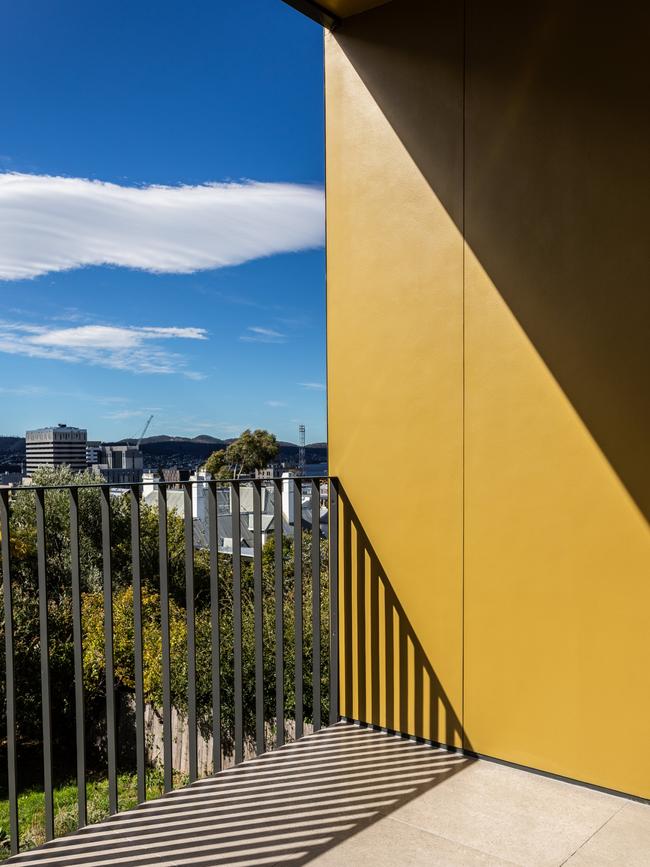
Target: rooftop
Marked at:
59, 427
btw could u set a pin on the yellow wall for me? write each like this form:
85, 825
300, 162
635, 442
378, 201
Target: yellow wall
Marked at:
487, 375
395, 263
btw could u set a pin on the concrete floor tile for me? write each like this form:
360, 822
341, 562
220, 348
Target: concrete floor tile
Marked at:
353, 796
624, 840
395, 844
522, 817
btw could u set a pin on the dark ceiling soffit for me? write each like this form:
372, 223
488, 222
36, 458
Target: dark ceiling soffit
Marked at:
316, 13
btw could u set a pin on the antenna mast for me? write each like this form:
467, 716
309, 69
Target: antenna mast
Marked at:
301, 450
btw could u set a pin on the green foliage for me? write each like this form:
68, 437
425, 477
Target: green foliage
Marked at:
217, 466
26, 620
251, 451
31, 807
25, 590
123, 628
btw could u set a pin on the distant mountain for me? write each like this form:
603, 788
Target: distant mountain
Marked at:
168, 451
165, 438
171, 451
206, 439
12, 444
12, 454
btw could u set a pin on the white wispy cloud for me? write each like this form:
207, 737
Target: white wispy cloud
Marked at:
41, 391
23, 390
137, 349
275, 404
312, 386
189, 425
121, 414
259, 334
50, 224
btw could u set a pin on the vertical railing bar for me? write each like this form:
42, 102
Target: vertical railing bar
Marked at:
163, 561
298, 628
10, 684
111, 720
191, 632
213, 541
257, 605
315, 601
46, 699
237, 621
279, 613
333, 560
77, 639
138, 656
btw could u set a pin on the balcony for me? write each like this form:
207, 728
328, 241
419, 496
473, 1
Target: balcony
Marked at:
218, 682
143, 636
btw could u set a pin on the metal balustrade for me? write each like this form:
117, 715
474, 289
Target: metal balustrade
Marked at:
306, 496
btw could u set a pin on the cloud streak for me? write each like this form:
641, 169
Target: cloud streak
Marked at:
122, 414
136, 349
259, 334
50, 224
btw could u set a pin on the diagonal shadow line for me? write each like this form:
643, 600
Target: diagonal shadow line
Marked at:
293, 829
292, 787
369, 781
537, 153
318, 817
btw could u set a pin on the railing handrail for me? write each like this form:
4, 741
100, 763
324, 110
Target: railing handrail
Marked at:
164, 483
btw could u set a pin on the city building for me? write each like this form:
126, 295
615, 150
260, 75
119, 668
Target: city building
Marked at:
55, 446
272, 471
92, 452
119, 464
176, 499
175, 475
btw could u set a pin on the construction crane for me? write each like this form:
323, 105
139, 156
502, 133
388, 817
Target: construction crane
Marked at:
301, 450
144, 430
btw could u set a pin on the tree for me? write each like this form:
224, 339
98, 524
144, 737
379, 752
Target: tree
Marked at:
251, 451
58, 568
216, 465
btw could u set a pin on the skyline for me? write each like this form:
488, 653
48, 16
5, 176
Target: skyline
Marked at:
162, 225
148, 438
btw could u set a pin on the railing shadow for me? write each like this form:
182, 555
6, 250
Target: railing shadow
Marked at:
284, 807
309, 796
387, 680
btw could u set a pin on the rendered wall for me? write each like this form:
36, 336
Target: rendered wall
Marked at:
395, 265
488, 378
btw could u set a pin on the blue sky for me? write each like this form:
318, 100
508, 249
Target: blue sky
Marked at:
181, 144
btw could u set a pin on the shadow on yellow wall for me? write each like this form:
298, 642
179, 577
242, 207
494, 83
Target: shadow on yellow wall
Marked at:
386, 678
488, 310
538, 111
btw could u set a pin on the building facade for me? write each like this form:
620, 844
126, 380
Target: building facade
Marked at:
92, 452
487, 304
54, 447
119, 464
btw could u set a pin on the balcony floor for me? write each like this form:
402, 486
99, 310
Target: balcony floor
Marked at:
353, 796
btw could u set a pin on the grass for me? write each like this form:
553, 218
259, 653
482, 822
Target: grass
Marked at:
31, 807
